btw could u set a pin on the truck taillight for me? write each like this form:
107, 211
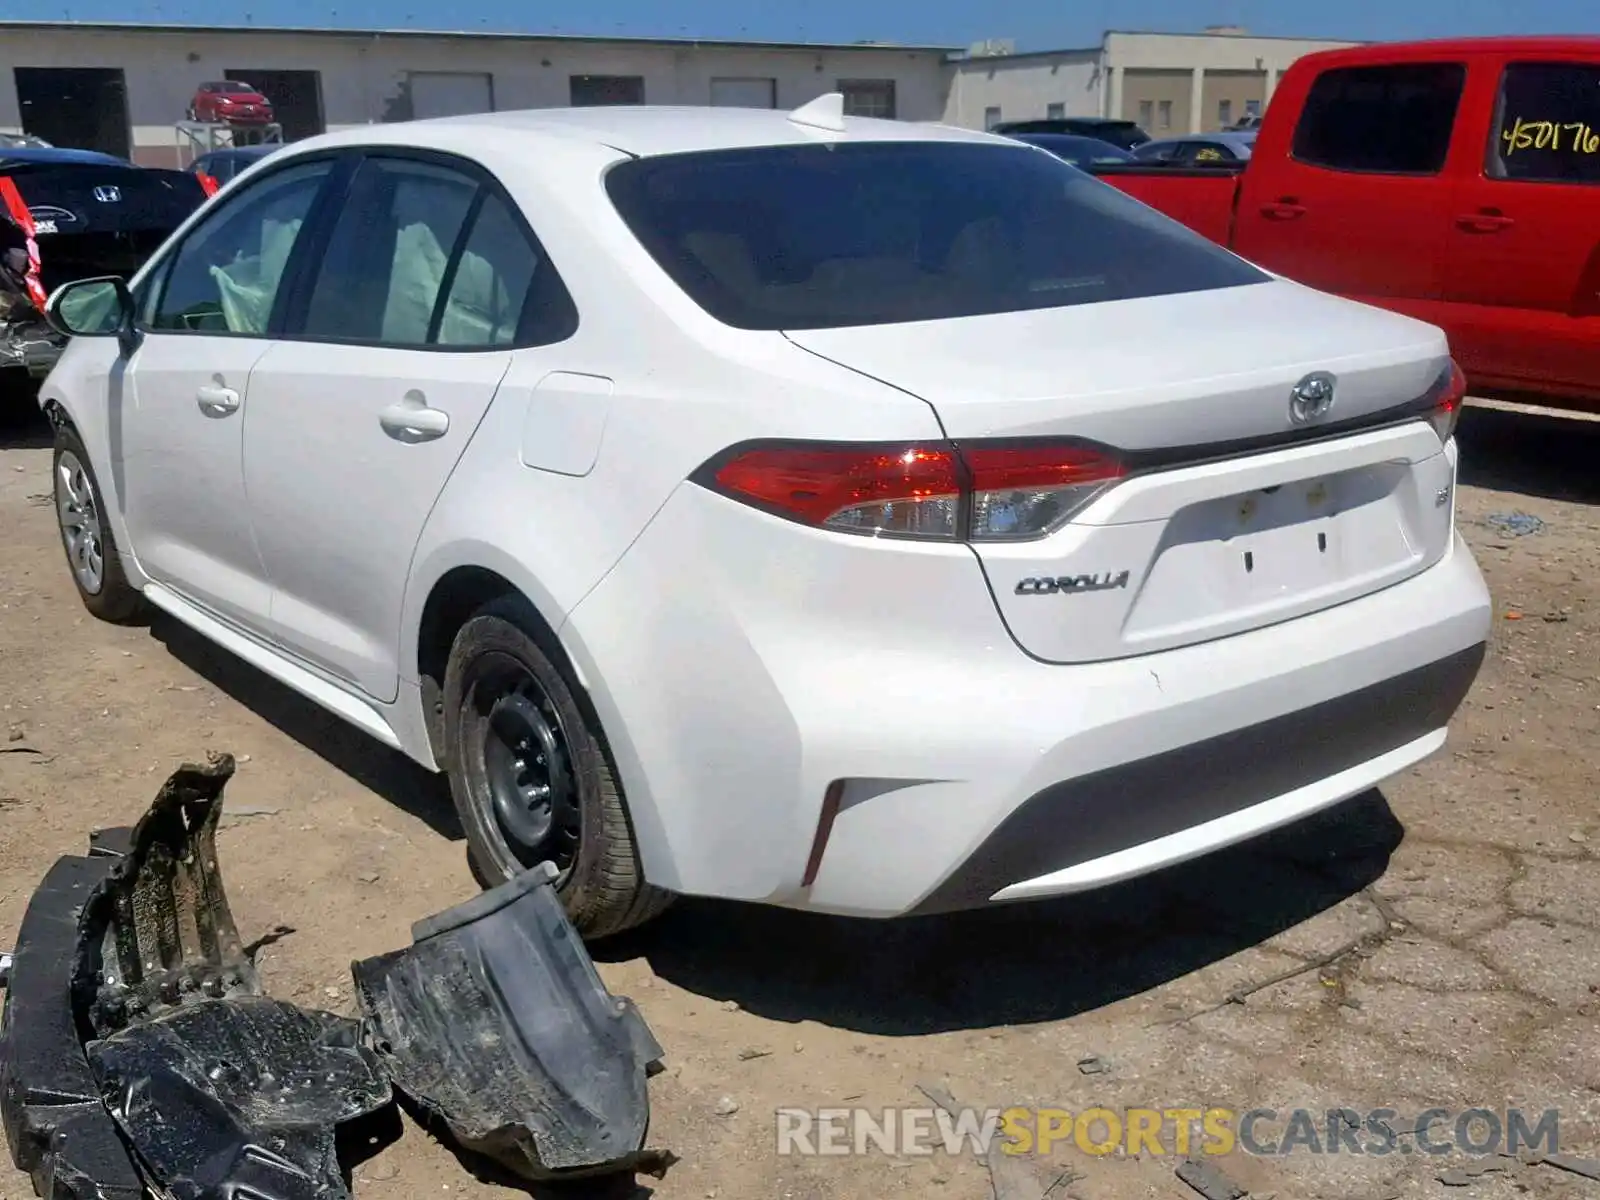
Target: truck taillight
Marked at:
1451, 391
978, 491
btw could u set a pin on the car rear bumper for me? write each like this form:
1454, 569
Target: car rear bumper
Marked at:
736, 697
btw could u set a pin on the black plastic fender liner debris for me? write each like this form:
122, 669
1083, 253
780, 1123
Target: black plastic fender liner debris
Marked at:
496, 1020
157, 933
59, 1132
220, 1090
240, 1097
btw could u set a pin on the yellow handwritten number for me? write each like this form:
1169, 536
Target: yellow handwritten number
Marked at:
1547, 135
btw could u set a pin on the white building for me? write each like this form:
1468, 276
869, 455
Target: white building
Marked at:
123, 88
1170, 83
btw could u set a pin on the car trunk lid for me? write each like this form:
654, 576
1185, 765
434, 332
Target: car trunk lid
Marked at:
1234, 514
101, 219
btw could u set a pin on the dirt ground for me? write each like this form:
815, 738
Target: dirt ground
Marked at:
1470, 889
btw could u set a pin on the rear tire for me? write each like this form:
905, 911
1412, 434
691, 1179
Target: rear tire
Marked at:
92, 554
531, 775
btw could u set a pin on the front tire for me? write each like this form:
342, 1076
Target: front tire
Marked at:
531, 777
92, 554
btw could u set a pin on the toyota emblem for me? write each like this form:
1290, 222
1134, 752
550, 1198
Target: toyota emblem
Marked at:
1311, 398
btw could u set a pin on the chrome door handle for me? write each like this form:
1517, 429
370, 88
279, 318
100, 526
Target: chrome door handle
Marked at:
216, 401
411, 420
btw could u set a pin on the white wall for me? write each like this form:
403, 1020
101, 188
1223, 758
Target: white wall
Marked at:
1198, 53
363, 75
1024, 86
1219, 52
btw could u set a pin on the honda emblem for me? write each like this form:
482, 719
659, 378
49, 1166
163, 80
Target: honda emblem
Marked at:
107, 194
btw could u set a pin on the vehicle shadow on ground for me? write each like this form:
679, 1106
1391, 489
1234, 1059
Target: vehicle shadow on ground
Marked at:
389, 773
22, 425
1021, 963
1530, 453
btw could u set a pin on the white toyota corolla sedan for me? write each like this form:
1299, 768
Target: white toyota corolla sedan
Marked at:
851, 515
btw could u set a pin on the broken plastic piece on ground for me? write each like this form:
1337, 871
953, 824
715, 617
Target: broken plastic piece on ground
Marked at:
240, 1097
220, 1089
157, 933
496, 1020
59, 1132
194, 1085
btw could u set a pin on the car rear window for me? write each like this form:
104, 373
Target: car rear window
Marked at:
872, 233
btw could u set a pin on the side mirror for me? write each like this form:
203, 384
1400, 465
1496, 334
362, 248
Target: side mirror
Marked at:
100, 307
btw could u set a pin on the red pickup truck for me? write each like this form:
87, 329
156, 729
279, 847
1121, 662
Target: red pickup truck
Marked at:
1454, 181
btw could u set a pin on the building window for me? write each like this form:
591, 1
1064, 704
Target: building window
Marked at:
590, 91
991, 117
1224, 113
1165, 119
1548, 118
1252, 108
1055, 112
1147, 113
744, 93
868, 97
1349, 122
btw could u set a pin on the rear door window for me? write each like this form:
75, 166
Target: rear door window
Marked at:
1389, 120
867, 233
1547, 124
428, 255
384, 266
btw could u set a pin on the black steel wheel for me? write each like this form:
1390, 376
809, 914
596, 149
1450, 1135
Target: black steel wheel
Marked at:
527, 766
531, 776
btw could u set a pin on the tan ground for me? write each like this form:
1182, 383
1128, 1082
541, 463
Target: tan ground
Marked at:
1475, 875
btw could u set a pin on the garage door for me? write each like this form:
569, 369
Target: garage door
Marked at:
450, 93
744, 93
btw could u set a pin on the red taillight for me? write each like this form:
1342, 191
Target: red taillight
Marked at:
979, 491
1025, 491
1447, 408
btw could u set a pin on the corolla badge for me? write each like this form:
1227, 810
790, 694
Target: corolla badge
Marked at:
1311, 398
1104, 581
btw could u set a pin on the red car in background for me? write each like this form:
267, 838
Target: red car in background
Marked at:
229, 102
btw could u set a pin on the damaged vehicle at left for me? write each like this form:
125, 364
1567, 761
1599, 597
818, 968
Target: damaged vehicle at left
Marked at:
67, 215
140, 1053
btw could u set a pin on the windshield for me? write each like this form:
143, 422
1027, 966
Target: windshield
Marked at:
868, 233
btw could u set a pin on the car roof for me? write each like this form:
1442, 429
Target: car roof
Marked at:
644, 130
45, 156
257, 151
1245, 138
1068, 139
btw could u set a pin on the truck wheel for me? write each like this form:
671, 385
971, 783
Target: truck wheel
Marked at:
531, 777
92, 553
